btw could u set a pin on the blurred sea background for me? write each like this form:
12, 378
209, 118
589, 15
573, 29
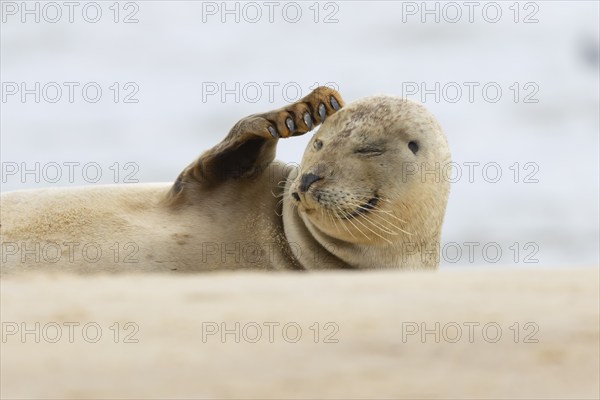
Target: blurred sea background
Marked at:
541, 132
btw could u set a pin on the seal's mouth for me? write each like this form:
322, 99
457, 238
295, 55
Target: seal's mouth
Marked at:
311, 201
363, 208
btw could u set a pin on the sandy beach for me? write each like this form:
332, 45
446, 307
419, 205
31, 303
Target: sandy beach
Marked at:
458, 333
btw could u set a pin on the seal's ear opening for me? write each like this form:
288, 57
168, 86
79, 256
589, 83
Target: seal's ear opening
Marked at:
413, 146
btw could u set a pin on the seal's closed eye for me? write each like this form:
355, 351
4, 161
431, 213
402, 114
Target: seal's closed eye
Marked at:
369, 151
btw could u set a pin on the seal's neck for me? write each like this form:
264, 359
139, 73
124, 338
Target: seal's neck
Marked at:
314, 249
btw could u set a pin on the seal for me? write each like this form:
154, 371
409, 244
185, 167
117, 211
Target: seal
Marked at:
363, 197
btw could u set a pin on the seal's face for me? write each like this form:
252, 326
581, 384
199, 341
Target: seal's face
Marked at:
361, 172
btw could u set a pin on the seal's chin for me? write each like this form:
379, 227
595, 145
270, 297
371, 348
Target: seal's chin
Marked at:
307, 203
302, 207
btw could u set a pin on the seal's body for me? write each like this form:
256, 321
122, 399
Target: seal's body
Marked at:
128, 228
358, 200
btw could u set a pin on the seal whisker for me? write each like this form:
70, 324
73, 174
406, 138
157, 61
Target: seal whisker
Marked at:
282, 194
283, 184
333, 220
341, 222
391, 214
380, 227
388, 222
347, 218
368, 218
376, 210
387, 212
383, 220
358, 220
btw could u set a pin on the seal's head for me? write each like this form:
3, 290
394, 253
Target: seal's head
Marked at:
374, 174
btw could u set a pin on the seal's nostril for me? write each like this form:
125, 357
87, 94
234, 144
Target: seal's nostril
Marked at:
307, 180
295, 196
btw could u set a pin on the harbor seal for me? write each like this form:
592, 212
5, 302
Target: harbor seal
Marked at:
358, 200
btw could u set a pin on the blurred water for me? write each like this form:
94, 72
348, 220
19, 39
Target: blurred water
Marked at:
176, 49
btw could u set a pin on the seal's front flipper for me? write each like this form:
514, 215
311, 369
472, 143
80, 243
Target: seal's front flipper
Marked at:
296, 119
250, 145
